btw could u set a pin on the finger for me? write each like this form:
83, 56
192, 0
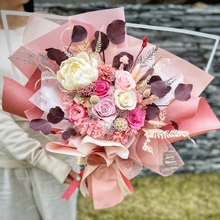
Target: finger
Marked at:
75, 175
68, 180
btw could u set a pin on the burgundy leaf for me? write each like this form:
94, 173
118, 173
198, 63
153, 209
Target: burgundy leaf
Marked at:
168, 89
116, 32
159, 88
57, 55
66, 134
175, 125
149, 72
154, 79
79, 34
104, 41
41, 125
182, 92
55, 115
117, 63
152, 111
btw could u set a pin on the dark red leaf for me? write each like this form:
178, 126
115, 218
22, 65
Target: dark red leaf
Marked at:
159, 88
55, 115
116, 32
41, 125
66, 134
57, 55
149, 72
152, 111
104, 41
154, 79
79, 34
175, 125
168, 89
182, 92
117, 63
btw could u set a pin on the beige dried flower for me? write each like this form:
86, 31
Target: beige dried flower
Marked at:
94, 100
120, 124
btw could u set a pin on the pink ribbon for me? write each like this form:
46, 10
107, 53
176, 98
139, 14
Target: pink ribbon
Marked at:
72, 187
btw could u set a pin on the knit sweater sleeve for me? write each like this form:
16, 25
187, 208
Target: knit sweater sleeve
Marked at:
28, 150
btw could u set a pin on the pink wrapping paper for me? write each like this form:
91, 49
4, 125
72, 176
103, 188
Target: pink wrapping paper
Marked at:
13, 101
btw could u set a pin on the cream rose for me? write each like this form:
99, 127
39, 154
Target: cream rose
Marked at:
125, 100
77, 72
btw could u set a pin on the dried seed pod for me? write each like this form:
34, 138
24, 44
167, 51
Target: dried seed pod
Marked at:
146, 93
94, 100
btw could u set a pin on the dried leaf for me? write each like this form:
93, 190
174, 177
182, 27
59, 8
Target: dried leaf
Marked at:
159, 88
175, 125
154, 79
57, 55
117, 63
79, 33
182, 92
41, 125
66, 134
104, 41
55, 115
116, 32
152, 112
148, 73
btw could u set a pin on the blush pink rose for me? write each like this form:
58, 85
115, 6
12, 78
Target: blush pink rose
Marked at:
136, 118
76, 112
124, 80
105, 109
102, 88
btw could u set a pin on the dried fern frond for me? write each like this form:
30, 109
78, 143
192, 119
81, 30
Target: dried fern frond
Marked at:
98, 44
149, 56
160, 134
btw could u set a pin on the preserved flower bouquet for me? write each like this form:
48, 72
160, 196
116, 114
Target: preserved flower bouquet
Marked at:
116, 101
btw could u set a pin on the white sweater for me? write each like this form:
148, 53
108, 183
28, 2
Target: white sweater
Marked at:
20, 146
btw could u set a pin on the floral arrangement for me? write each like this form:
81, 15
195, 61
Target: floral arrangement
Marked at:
117, 106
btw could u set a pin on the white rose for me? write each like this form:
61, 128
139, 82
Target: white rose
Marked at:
77, 72
125, 99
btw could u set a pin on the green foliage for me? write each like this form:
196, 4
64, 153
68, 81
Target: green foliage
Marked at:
177, 197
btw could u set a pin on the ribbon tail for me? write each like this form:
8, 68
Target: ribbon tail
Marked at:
72, 187
127, 182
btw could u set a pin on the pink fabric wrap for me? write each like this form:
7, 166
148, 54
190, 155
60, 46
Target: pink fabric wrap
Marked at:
103, 187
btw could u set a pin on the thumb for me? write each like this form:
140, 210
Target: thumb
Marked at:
75, 175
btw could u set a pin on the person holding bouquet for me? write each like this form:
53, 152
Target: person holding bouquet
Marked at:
31, 179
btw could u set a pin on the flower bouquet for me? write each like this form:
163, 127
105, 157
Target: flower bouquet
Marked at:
116, 101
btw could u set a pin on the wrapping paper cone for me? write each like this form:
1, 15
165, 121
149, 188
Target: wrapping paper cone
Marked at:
15, 99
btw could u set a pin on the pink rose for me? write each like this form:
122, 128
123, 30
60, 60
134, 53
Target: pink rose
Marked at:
136, 118
76, 112
105, 109
102, 88
124, 80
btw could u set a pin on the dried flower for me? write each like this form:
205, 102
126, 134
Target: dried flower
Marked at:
94, 100
87, 90
106, 72
120, 124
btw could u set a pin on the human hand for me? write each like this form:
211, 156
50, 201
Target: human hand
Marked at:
72, 175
